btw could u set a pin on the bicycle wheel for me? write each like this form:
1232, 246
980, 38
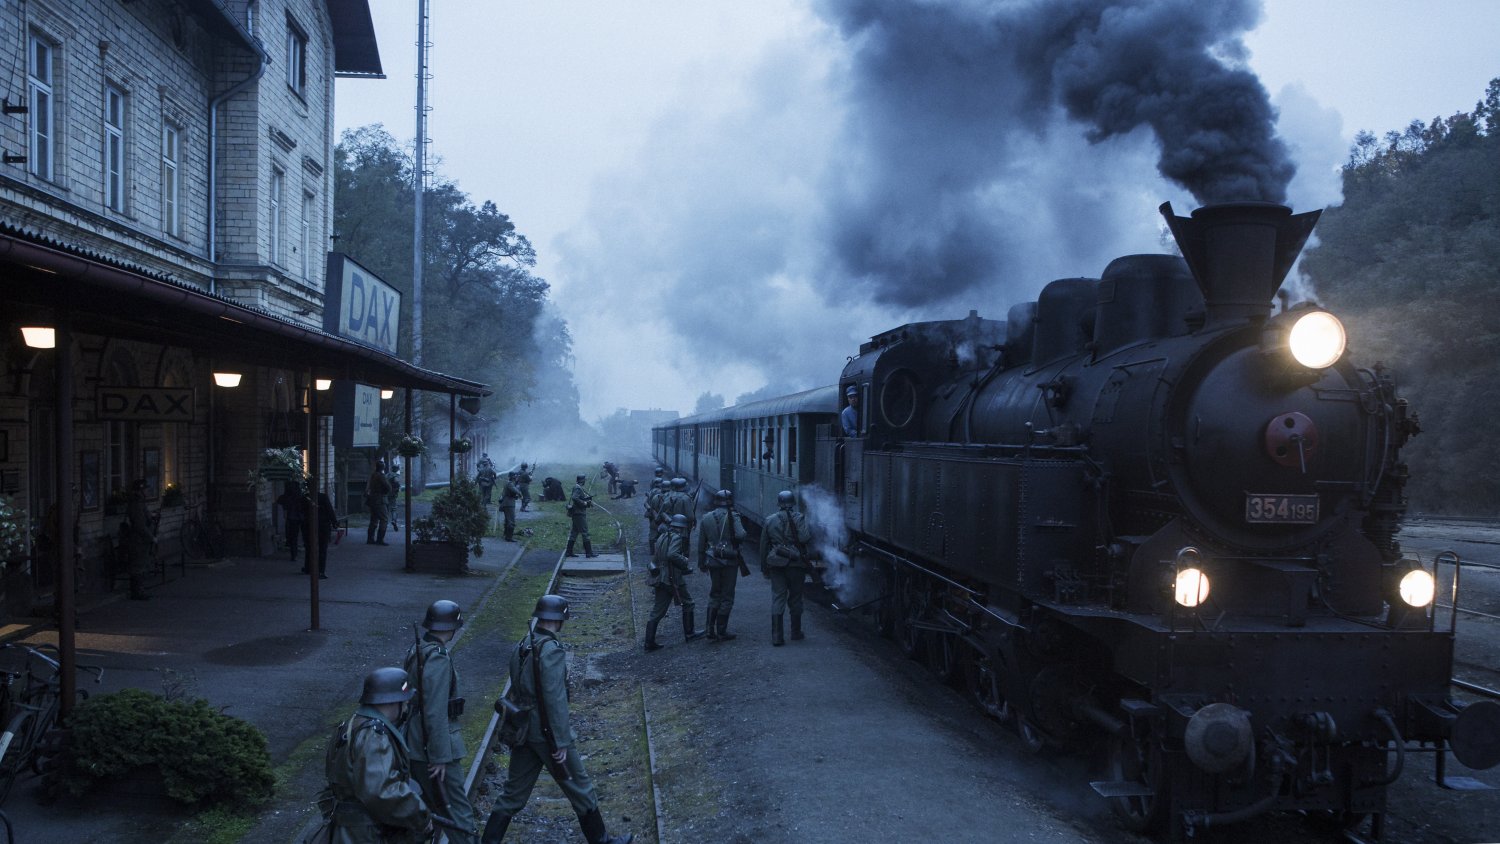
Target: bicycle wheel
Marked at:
14, 750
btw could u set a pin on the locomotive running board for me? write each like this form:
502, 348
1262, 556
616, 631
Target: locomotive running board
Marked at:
1122, 788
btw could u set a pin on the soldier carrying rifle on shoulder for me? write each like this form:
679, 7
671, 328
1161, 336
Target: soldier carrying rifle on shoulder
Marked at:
669, 568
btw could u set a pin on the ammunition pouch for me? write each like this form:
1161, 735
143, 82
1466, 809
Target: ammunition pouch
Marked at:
790, 553
455, 707
514, 723
723, 550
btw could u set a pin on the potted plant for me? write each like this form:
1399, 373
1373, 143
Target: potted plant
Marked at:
456, 528
171, 495
411, 445
12, 531
462, 445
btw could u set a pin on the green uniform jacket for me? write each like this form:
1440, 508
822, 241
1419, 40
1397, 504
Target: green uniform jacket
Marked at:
785, 530
554, 673
509, 494
580, 500
439, 681
370, 777
676, 503
671, 558
720, 526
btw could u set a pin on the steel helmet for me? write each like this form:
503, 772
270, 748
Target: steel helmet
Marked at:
723, 496
679, 521
551, 608
679, 484
785, 499
581, 478
659, 471
386, 685
656, 483
443, 615
523, 467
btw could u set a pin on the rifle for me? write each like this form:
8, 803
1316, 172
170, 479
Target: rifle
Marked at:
744, 566
559, 770
439, 799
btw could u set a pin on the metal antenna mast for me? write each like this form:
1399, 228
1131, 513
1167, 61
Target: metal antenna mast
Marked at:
419, 185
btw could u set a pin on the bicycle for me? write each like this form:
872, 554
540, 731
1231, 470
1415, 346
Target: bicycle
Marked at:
202, 538
30, 712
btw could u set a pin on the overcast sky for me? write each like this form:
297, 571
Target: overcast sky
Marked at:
710, 183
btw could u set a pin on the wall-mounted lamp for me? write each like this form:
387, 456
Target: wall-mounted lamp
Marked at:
227, 379
39, 337
323, 384
387, 394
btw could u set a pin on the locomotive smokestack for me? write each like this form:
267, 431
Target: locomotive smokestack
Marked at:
1239, 253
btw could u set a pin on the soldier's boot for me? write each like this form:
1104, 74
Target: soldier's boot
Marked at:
776, 637
569, 552
494, 829
724, 634
797, 627
710, 627
138, 588
588, 549
651, 644
594, 831
688, 632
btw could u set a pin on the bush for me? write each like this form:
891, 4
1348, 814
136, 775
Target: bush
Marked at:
458, 516
204, 755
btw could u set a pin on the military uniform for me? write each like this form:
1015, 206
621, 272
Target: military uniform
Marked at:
677, 502
508, 497
434, 736
578, 510
654, 518
376, 489
783, 558
719, 537
671, 567
523, 482
485, 478
369, 782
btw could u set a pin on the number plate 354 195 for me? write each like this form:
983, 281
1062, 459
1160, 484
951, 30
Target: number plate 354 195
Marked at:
1281, 509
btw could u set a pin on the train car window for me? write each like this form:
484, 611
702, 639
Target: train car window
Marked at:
791, 445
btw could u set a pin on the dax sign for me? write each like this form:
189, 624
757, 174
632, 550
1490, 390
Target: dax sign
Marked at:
359, 306
144, 404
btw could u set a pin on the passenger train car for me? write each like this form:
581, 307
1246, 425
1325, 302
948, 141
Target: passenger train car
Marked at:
1144, 512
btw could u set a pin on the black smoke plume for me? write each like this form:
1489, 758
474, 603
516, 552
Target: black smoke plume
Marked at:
942, 92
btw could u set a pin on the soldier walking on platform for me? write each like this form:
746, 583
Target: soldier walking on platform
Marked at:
653, 512
783, 559
376, 490
678, 502
523, 481
485, 479
669, 570
539, 683
719, 537
433, 732
578, 510
370, 798
508, 497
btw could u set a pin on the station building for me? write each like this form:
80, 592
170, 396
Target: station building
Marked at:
166, 199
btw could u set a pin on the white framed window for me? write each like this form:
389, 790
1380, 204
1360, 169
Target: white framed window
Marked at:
278, 186
296, 57
43, 145
304, 247
114, 148
171, 182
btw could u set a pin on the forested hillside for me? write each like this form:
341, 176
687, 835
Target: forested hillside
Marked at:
1411, 262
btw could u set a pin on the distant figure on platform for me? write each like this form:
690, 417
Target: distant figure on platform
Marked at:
783, 559
578, 511
849, 418
627, 489
508, 498
370, 795
669, 570
552, 490
614, 476
539, 681
523, 483
433, 732
719, 537
390, 498
485, 478
376, 490
293, 506
140, 539
326, 519
484, 460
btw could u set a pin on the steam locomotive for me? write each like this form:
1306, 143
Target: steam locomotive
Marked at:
1145, 511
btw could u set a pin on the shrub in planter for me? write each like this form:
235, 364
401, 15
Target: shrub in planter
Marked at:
411, 445
204, 756
459, 517
462, 445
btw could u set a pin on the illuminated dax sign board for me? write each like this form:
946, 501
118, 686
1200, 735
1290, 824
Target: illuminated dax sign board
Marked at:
359, 306
144, 404
356, 415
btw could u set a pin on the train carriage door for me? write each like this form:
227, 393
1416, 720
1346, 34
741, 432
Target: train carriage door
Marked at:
726, 455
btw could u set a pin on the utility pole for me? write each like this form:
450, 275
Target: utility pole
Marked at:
419, 185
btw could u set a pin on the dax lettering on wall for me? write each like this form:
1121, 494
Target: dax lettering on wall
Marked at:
144, 404
360, 306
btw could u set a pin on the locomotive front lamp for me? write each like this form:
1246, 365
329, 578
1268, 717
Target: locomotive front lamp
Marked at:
1317, 340
1418, 588
1191, 588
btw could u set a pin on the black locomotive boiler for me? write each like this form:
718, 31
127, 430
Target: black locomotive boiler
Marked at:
1145, 510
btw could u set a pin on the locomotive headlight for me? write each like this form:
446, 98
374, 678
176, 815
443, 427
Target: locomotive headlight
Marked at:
1417, 588
1191, 588
1317, 340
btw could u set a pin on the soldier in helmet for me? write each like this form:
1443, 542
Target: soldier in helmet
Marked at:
433, 732
523, 483
653, 510
508, 497
539, 680
719, 537
783, 559
678, 502
373, 799
669, 569
578, 510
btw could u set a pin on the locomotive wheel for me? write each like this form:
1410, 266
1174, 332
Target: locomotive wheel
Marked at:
913, 606
943, 656
888, 611
984, 687
1033, 739
1139, 760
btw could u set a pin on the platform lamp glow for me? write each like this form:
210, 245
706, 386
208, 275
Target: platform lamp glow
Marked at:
227, 379
323, 384
39, 336
387, 395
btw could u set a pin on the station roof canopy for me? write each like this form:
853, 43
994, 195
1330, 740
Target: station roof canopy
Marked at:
40, 278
